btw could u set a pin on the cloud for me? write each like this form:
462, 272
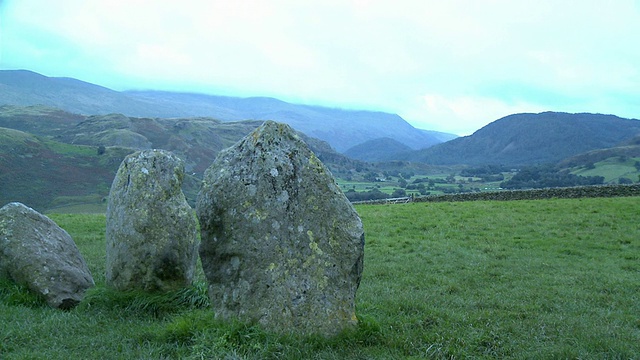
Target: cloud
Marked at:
454, 65
459, 114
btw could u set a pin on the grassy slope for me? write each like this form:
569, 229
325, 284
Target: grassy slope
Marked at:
522, 279
612, 169
44, 174
52, 161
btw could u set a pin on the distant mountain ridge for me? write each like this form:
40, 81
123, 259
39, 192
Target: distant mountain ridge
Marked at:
342, 129
518, 139
526, 139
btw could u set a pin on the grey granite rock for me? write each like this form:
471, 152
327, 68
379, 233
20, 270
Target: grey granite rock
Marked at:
280, 243
37, 253
151, 229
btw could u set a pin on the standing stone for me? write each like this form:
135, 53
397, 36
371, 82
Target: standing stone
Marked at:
37, 253
281, 245
151, 229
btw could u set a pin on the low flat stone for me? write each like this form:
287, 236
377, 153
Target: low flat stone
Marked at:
151, 229
281, 245
37, 253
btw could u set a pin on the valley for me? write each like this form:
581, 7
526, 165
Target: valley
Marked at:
61, 141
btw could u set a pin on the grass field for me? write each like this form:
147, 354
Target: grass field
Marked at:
542, 279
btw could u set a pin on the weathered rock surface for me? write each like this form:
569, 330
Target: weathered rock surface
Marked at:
151, 229
280, 243
37, 253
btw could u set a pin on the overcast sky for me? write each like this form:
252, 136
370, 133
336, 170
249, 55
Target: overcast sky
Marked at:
451, 66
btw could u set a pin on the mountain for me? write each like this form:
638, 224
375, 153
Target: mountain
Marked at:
49, 157
342, 129
526, 139
382, 149
22, 87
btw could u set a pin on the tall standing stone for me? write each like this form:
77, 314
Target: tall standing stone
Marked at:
37, 253
280, 243
151, 229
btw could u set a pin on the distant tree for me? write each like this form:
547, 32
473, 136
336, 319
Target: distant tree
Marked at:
495, 177
371, 176
484, 171
590, 166
101, 149
624, 180
374, 194
637, 165
399, 193
545, 176
407, 175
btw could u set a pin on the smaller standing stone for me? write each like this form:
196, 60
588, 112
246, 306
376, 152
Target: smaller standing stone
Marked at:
151, 229
281, 244
37, 253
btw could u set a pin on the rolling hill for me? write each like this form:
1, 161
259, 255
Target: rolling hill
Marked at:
527, 139
629, 149
43, 174
376, 150
50, 157
342, 129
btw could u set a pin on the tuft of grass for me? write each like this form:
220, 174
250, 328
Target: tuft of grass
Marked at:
140, 303
18, 295
197, 334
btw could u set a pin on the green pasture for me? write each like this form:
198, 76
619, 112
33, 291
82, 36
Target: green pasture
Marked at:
539, 279
386, 187
613, 169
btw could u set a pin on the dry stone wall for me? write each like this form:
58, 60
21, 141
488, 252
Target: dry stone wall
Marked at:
534, 194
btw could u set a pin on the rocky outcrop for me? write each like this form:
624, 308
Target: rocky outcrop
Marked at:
37, 253
151, 230
280, 243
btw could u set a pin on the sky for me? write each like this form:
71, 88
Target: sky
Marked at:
451, 66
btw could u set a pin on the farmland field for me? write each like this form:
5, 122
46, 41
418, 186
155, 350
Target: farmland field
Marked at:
557, 278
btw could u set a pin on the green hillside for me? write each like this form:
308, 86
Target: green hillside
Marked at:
613, 169
51, 158
44, 174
